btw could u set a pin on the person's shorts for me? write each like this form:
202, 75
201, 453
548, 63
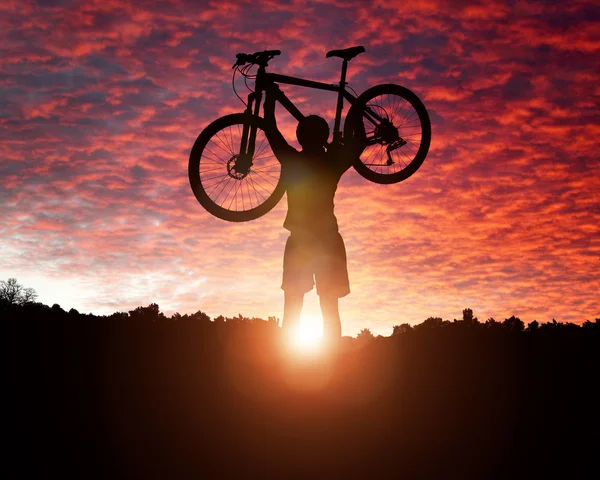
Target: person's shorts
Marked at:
315, 258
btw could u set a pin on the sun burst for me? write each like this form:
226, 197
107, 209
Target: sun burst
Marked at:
307, 337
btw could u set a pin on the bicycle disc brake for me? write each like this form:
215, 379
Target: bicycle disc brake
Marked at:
238, 166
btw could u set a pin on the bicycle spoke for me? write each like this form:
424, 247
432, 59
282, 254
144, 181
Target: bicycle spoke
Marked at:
206, 180
232, 142
397, 107
256, 192
406, 124
214, 169
263, 158
215, 143
369, 156
264, 189
208, 183
217, 158
273, 165
380, 162
400, 158
260, 148
233, 185
224, 143
406, 116
217, 186
226, 147
220, 192
237, 187
401, 109
242, 194
392, 105
268, 174
265, 179
248, 193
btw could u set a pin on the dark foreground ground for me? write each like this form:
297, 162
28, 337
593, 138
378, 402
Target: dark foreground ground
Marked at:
129, 398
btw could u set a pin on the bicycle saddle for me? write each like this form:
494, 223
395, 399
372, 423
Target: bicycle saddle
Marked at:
346, 53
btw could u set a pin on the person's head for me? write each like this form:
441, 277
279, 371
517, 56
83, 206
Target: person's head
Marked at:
312, 132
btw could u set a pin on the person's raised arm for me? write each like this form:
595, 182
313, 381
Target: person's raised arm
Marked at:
348, 153
281, 148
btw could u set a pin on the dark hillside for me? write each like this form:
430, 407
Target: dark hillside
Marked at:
139, 395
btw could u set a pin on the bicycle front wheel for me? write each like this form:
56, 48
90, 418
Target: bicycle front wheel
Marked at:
228, 184
395, 128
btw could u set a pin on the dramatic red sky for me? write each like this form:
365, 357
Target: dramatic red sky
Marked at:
101, 101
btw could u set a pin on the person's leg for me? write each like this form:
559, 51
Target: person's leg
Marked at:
297, 280
332, 283
332, 325
292, 306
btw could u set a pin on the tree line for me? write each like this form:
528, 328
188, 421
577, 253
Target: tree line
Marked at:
14, 295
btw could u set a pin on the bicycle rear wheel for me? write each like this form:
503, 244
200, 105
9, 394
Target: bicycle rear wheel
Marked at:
231, 186
395, 129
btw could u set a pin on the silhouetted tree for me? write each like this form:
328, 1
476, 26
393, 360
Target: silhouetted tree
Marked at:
513, 324
533, 326
365, 334
13, 293
430, 323
119, 316
151, 312
570, 326
492, 324
553, 325
56, 308
400, 329
468, 317
589, 325
200, 316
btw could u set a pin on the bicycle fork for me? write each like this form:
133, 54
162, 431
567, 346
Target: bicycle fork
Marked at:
248, 143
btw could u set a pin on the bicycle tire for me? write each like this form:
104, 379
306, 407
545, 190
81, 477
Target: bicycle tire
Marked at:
351, 127
200, 190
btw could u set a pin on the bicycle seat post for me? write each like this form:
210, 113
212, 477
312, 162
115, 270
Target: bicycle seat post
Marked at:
340, 102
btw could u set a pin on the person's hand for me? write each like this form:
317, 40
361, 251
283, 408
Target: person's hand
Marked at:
335, 148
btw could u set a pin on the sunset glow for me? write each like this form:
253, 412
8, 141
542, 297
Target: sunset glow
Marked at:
101, 102
307, 337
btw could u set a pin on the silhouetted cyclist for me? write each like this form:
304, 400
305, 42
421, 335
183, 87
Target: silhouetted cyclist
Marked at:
314, 251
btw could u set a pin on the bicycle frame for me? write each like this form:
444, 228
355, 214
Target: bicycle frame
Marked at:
265, 80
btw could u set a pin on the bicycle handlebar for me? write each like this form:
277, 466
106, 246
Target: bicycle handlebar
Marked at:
260, 58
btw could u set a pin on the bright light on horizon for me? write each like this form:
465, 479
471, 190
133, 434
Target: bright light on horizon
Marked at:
307, 337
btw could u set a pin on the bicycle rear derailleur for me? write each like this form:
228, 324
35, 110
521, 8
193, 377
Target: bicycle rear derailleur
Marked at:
391, 147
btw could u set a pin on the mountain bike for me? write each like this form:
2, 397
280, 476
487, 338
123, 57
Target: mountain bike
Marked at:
234, 173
